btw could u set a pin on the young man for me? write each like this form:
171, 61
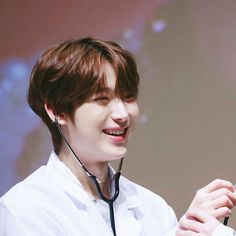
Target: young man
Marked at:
86, 93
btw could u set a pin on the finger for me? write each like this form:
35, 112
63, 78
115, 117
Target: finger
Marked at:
233, 197
217, 184
223, 201
221, 213
220, 207
220, 192
190, 223
223, 192
218, 214
187, 233
207, 224
200, 215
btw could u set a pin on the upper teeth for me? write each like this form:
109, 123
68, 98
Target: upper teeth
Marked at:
115, 132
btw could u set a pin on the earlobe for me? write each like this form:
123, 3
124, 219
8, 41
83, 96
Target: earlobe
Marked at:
60, 117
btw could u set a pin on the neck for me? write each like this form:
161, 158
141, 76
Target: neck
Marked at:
100, 170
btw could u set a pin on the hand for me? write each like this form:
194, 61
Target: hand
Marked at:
217, 199
197, 222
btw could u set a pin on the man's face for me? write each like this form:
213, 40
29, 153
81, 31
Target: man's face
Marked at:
102, 125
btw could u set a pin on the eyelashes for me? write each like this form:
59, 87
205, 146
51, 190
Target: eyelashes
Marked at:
129, 98
105, 99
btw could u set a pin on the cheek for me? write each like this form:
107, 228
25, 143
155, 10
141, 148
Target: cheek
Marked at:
91, 124
134, 111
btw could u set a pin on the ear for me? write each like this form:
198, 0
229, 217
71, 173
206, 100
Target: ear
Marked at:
61, 118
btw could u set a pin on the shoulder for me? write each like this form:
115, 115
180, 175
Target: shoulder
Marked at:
8, 224
34, 200
28, 190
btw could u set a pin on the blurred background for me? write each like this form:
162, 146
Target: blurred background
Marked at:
186, 54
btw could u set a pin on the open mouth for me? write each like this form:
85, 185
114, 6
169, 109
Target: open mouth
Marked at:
115, 132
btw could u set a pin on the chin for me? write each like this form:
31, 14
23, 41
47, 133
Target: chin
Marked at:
113, 152
120, 152
117, 153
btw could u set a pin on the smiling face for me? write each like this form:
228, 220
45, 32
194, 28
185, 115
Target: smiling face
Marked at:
101, 126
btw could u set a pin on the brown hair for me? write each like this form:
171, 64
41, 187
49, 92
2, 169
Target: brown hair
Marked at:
67, 75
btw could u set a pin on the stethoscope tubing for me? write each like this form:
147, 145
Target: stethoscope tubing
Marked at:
95, 180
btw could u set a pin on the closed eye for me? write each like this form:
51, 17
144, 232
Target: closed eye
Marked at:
129, 98
103, 100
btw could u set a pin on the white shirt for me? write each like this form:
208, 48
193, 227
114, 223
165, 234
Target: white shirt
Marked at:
223, 230
52, 202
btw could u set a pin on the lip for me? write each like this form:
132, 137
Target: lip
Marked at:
117, 138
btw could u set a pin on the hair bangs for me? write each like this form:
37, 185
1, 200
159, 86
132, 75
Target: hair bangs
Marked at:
127, 84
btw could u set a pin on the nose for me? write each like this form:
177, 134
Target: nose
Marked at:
119, 111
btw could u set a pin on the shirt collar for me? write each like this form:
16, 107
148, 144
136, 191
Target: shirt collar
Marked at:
128, 195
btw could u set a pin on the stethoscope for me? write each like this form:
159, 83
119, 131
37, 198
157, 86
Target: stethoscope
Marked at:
226, 219
95, 180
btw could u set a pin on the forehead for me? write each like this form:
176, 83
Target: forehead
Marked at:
107, 80
109, 77
117, 80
